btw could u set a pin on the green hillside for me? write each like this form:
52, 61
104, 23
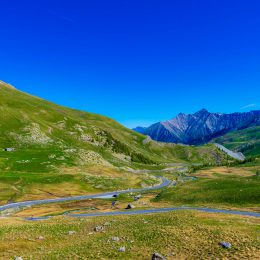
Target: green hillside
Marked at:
58, 151
246, 141
45, 135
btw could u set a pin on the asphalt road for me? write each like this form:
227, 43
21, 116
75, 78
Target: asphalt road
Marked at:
161, 210
153, 211
165, 182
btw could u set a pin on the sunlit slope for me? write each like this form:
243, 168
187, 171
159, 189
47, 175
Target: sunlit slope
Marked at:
47, 136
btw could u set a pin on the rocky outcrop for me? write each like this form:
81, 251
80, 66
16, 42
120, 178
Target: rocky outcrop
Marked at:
200, 127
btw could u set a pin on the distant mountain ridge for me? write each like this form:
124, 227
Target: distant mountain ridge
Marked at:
200, 127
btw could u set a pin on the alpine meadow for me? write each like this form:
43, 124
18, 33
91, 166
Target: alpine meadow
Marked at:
129, 130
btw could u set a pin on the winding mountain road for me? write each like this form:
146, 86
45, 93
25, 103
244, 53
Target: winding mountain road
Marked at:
165, 183
161, 210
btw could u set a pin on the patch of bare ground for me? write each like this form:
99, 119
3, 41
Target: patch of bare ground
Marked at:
225, 171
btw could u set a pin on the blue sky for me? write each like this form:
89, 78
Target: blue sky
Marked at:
135, 61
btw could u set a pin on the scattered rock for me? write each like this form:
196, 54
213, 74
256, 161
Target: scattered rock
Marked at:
116, 239
130, 206
10, 149
72, 233
157, 256
226, 245
98, 229
32, 134
88, 157
122, 249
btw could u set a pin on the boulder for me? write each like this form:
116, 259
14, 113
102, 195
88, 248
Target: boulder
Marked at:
98, 229
157, 256
122, 249
72, 233
137, 197
224, 244
115, 239
130, 206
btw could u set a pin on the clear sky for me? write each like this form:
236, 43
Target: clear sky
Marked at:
136, 61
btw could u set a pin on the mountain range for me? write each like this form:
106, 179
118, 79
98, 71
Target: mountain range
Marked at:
200, 127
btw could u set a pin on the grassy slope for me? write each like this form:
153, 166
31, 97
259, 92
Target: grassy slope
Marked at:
246, 141
58, 129
218, 187
51, 140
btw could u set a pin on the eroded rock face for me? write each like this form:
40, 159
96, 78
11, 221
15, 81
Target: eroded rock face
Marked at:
199, 127
237, 156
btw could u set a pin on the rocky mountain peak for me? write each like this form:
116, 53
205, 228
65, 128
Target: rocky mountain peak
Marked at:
203, 111
200, 127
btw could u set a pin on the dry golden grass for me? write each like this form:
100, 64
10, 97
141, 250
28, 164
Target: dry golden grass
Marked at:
224, 171
50, 191
72, 181
88, 206
176, 235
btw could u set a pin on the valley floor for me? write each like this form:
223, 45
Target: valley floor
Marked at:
176, 235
